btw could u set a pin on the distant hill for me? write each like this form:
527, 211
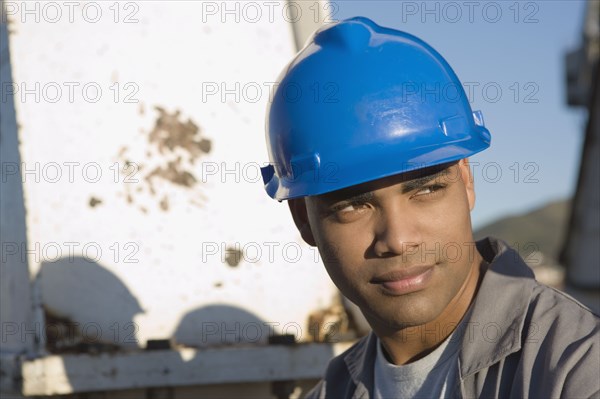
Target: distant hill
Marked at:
541, 229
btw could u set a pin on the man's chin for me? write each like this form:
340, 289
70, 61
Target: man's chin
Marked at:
395, 321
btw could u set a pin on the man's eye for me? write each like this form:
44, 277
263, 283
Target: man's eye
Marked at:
430, 190
349, 208
345, 208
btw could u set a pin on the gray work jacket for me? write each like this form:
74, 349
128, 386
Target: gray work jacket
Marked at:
519, 339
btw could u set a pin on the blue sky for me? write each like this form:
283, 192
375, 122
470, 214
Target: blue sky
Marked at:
511, 56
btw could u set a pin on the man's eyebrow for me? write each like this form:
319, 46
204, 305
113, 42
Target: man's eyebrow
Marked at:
359, 198
365, 196
419, 182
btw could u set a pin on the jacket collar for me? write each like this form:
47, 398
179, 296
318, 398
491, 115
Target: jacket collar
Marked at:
491, 329
360, 362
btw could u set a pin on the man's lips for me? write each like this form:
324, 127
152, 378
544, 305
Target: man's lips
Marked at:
404, 281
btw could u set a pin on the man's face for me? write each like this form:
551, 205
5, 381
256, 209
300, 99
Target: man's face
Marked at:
400, 247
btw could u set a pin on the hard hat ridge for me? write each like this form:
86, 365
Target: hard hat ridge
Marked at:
354, 35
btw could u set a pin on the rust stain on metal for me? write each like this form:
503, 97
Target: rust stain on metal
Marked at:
94, 202
164, 203
330, 324
174, 173
175, 144
65, 336
233, 256
170, 133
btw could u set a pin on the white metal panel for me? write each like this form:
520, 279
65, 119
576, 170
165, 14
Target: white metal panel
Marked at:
158, 260
67, 374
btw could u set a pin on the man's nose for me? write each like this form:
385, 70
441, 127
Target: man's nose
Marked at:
397, 232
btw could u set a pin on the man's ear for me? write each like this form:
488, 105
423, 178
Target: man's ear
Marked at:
467, 178
298, 210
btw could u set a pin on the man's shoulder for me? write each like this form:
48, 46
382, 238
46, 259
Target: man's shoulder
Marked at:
556, 316
561, 343
543, 340
513, 286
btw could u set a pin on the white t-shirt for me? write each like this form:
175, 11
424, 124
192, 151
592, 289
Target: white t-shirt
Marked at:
425, 378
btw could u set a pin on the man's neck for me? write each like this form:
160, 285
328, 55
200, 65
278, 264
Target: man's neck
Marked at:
413, 343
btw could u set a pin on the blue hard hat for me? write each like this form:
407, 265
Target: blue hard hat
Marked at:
360, 102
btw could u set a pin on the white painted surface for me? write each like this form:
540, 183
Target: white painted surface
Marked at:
156, 268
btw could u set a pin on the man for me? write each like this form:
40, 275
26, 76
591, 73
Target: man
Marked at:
371, 153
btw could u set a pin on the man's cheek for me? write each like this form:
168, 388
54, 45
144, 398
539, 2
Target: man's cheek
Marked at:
331, 254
